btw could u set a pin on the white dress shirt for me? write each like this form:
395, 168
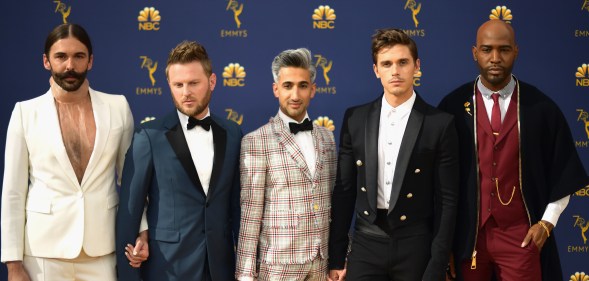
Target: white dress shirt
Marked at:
202, 149
554, 209
304, 140
393, 121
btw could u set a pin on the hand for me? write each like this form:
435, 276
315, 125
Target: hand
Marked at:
538, 234
16, 271
451, 271
337, 275
138, 253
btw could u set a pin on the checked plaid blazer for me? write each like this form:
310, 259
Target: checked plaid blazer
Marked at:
285, 212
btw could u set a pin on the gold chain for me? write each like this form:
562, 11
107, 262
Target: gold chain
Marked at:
499, 195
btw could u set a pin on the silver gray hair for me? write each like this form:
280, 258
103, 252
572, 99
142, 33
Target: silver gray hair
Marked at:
300, 57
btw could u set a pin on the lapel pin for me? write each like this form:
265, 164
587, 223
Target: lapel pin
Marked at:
467, 108
359, 163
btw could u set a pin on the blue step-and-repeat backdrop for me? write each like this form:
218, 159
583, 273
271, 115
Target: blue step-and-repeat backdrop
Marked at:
131, 41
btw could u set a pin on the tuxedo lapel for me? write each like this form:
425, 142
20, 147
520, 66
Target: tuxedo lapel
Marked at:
287, 141
177, 141
102, 116
220, 143
406, 150
52, 132
372, 124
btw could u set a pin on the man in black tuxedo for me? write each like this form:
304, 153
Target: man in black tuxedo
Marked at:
398, 174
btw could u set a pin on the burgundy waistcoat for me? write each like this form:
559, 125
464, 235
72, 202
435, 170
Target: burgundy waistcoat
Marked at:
498, 157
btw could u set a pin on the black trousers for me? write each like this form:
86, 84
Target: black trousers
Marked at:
395, 257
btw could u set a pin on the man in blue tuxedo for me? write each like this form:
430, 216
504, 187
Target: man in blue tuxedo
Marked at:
183, 169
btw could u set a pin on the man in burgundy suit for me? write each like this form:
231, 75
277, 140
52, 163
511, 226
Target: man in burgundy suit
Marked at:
518, 168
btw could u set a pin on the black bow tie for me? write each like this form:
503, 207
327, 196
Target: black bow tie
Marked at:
305, 126
205, 123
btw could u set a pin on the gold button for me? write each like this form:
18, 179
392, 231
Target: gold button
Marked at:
409, 195
366, 213
417, 171
403, 217
316, 207
363, 189
359, 163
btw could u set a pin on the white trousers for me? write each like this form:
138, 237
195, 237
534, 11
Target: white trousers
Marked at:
82, 268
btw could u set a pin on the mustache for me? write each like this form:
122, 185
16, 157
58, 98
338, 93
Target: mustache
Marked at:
70, 74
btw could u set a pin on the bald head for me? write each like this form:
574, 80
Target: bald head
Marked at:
496, 29
495, 53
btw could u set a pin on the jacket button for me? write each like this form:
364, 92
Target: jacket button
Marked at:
363, 189
366, 213
316, 207
403, 217
409, 195
359, 163
417, 171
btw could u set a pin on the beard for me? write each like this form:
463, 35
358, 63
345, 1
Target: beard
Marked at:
60, 79
198, 109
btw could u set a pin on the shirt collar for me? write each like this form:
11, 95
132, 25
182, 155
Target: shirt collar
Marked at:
504, 93
402, 108
287, 119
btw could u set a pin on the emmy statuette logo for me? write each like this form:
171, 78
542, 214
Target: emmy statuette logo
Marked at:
63, 9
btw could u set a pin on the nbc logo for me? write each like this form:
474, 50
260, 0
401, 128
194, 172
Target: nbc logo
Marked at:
582, 75
63, 9
149, 19
501, 13
324, 18
417, 78
324, 121
234, 75
579, 276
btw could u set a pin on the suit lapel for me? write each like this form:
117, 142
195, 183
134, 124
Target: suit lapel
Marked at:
101, 113
53, 134
319, 151
220, 143
177, 141
371, 146
287, 141
406, 150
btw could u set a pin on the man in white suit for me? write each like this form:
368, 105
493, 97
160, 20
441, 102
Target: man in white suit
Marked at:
288, 169
63, 150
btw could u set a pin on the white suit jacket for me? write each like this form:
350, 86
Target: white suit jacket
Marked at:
45, 211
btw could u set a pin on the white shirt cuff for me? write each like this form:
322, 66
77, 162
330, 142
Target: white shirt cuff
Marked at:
554, 209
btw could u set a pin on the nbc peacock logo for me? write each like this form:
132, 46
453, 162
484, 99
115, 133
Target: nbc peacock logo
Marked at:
582, 75
417, 78
149, 19
234, 75
579, 276
323, 17
324, 121
501, 13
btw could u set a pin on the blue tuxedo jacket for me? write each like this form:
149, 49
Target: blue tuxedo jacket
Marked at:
187, 229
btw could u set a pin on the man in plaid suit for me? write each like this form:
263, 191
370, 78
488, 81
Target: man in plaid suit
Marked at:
287, 173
